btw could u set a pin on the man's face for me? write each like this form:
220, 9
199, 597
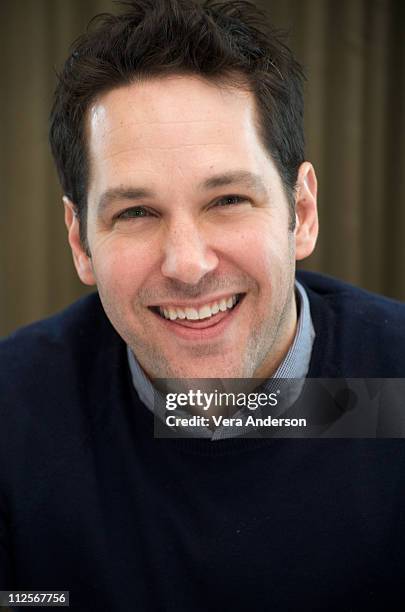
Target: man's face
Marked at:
188, 230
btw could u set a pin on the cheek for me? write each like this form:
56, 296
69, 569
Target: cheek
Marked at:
264, 254
121, 266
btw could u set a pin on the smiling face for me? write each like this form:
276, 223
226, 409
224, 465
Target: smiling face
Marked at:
188, 230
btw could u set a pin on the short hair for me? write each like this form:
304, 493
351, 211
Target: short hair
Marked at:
228, 42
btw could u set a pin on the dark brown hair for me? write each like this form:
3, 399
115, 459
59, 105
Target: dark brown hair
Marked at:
229, 42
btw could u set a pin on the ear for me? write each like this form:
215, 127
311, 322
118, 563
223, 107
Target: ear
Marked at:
81, 259
306, 228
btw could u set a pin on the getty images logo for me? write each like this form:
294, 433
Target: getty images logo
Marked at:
205, 401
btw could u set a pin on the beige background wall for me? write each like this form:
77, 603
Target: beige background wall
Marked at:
354, 52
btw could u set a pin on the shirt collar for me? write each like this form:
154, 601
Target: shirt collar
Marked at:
296, 363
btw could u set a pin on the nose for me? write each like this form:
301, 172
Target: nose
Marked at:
187, 255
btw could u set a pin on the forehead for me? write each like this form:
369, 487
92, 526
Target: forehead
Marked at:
177, 107
172, 127
166, 101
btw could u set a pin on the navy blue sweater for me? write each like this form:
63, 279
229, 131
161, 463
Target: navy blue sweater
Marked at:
90, 502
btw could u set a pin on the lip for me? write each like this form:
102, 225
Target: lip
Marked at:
196, 305
207, 330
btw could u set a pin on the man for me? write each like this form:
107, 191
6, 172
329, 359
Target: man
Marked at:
177, 133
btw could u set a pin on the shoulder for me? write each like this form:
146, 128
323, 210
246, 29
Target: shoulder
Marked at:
47, 360
366, 330
59, 378
73, 329
353, 301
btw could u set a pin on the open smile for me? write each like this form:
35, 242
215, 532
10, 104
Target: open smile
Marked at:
200, 323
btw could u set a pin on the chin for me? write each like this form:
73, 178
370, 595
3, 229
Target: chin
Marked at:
208, 369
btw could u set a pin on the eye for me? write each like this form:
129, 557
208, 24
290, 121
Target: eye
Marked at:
134, 212
231, 200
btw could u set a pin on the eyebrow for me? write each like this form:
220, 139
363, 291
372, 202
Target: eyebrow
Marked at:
236, 177
122, 193
240, 177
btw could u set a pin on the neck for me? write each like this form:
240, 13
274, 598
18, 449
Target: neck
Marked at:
282, 342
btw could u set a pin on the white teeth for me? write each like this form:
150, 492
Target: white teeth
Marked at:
204, 312
215, 308
172, 314
192, 314
222, 305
